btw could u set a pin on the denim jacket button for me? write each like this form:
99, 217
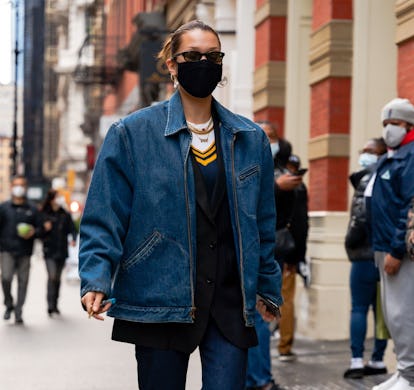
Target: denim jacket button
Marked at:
212, 245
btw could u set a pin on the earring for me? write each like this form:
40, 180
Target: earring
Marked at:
223, 82
175, 81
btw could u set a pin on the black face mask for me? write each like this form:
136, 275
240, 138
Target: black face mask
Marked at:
199, 78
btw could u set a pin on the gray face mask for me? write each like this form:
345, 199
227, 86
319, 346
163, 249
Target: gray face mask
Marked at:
393, 135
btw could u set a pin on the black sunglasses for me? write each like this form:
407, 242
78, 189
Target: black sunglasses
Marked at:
194, 56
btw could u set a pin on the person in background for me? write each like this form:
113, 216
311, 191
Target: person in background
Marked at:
20, 224
178, 227
58, 225
291, 207
259, 365
292, 210
392, 190
364, 275
293, 165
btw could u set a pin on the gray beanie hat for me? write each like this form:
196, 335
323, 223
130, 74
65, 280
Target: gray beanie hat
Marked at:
398, 108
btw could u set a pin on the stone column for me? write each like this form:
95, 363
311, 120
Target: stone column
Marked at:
242, 66
270, 62
297, 111
324, 308
225, 24
374, 70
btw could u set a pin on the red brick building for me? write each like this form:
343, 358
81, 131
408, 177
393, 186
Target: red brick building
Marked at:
323, 71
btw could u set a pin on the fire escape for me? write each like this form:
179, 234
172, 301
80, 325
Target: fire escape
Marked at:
96, 67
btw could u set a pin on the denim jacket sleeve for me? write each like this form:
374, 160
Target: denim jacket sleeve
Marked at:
269, 278
106, 214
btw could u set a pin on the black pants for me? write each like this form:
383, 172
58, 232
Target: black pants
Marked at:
54, 271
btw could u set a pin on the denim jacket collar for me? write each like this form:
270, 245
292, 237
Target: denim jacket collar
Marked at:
176, 119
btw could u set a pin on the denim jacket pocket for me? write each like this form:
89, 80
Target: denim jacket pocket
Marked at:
248, 174
143, 251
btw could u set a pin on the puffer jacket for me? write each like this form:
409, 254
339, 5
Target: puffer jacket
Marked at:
358, 244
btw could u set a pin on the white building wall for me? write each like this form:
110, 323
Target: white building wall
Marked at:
242, 61
72, 145
374, 80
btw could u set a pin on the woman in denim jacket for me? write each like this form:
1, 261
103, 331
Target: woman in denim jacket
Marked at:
178, 226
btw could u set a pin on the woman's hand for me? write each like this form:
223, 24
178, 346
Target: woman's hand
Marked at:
92, 303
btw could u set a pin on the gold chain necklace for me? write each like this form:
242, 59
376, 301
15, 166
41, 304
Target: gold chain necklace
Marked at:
208, 129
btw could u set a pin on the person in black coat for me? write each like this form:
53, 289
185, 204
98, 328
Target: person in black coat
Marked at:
59, 225
20, 224
364, 274
291, 198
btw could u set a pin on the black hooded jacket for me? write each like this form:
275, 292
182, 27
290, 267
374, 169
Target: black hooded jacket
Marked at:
357, 240
291, 207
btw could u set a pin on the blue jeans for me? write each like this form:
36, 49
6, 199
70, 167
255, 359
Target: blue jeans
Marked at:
258, 361
223, 365
364, 278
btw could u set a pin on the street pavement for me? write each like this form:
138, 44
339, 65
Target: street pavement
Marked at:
320, 366
72, 352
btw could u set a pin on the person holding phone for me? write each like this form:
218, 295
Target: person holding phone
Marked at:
178, 226
291, 198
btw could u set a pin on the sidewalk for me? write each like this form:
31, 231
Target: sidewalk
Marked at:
320, 366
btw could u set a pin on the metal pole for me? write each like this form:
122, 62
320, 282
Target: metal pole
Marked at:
16, 62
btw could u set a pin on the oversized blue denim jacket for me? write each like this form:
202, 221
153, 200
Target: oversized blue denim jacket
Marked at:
138, 230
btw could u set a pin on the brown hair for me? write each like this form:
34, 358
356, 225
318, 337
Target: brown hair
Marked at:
46, 206
172, 43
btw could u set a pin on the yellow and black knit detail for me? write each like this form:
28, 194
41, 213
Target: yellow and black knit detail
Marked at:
206, 157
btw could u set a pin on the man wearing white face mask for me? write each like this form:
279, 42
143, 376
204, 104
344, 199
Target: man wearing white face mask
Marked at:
392, 192
20, 223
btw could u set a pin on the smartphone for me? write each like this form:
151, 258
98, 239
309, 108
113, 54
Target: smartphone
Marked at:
271, 307
301, 172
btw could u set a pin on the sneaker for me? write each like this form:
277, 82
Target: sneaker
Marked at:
287, 357
354, 373
369, 370
401, 384
7, 313
388, 383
